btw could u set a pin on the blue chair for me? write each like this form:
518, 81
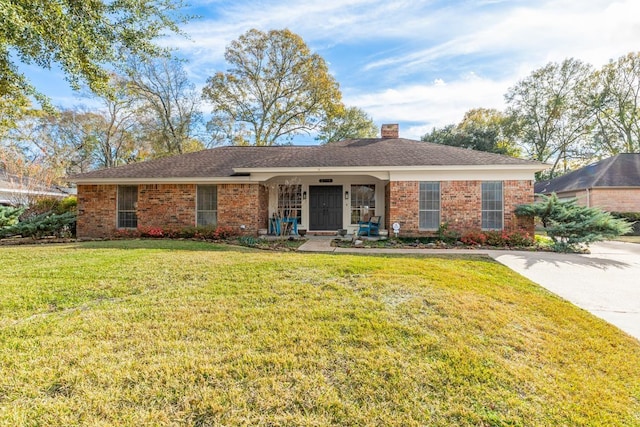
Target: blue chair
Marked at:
277, 225
370, 228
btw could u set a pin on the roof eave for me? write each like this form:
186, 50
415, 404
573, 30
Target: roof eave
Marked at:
165, 180
362, 169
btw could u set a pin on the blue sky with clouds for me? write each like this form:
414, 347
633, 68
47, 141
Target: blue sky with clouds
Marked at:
418, 63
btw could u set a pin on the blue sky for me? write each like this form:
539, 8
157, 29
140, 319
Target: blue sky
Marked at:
418, 63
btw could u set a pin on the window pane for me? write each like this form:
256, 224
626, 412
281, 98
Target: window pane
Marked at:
127, 199
492, 205
429, 201
290, 201
207, 205
363, 202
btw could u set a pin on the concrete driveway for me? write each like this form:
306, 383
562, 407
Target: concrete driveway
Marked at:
605, 282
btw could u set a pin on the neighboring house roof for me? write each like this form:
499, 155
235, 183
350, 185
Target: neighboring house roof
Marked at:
348, 154
15, 189
622, 170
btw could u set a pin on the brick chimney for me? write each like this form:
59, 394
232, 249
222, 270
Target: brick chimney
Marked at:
390, 131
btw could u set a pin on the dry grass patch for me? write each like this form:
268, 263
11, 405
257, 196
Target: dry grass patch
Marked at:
187, 333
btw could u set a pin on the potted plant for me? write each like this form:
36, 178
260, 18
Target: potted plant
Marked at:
342, 232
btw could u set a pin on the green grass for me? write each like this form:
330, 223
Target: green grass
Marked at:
185, 333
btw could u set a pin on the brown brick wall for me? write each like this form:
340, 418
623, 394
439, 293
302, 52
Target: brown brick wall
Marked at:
96, 210
517, 193
614, 199
171, 206
242, 204
403, 205
461, 204
167, 205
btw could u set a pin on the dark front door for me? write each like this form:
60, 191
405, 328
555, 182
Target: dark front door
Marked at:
325, 207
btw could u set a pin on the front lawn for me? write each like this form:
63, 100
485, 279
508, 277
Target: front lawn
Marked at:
189, 333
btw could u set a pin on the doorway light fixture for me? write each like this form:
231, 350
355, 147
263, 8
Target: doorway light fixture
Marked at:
304, 195
346, 195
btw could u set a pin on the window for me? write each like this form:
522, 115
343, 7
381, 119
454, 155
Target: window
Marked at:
363, 202
290, 201
429, 205
492, 205
127, 203
207, 205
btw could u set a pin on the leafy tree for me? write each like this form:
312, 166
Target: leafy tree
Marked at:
168, 104
351, 122
552, 119
616, 101
571, 225
276, 88
82, 37
481, 129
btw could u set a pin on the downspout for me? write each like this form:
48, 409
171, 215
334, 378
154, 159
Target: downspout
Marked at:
588, 198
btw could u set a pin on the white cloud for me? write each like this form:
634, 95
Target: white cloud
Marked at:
433, 105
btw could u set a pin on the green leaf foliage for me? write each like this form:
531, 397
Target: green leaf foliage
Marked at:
349, 123
572, 226
9, 215
83, 38
481, 129
275, 88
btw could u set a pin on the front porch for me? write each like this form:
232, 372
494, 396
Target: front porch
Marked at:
323, 205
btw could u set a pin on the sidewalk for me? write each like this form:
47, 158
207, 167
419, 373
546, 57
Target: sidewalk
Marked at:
323, 244
605, 282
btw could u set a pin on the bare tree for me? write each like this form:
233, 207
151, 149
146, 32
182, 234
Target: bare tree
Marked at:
168, 104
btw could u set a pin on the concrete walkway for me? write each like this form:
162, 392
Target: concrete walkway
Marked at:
605, 282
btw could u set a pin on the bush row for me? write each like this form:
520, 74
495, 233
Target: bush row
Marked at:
497, 238
202, 233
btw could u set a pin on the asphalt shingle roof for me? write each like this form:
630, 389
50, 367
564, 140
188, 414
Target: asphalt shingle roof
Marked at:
221, 161
622, 170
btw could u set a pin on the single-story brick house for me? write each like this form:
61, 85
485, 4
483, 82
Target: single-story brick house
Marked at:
611, 184
416, 184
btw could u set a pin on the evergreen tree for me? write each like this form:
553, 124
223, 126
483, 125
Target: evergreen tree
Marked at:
572, 226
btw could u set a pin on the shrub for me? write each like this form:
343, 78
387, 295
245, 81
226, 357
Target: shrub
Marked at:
155, 232
9, 215
47, 224
473, 238
445, 235
68, 204
518, 239
571, 225
497, 238
126, 233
